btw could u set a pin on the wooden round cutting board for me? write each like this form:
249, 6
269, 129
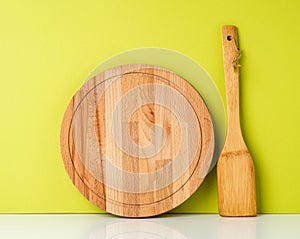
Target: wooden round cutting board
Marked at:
137, 140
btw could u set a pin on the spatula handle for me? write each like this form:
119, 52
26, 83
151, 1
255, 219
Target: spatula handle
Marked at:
231, 54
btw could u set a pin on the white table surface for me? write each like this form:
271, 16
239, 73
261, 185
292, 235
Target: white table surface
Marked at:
177, 226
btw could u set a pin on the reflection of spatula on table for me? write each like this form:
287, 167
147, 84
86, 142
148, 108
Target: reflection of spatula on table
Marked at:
235, 170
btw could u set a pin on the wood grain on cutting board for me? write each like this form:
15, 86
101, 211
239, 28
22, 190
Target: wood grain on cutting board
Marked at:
137, 140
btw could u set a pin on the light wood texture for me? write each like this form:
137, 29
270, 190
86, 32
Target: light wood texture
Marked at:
235, 169
137, 140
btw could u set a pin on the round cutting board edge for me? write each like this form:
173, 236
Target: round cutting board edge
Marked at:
139, 211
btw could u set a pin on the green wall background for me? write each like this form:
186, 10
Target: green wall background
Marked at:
47, 48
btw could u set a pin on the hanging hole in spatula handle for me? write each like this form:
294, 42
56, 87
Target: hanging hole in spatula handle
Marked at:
230, 43
229, 38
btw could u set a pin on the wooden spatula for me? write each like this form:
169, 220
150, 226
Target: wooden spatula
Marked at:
235, 169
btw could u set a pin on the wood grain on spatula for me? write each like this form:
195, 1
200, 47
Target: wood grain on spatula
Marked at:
235, 169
